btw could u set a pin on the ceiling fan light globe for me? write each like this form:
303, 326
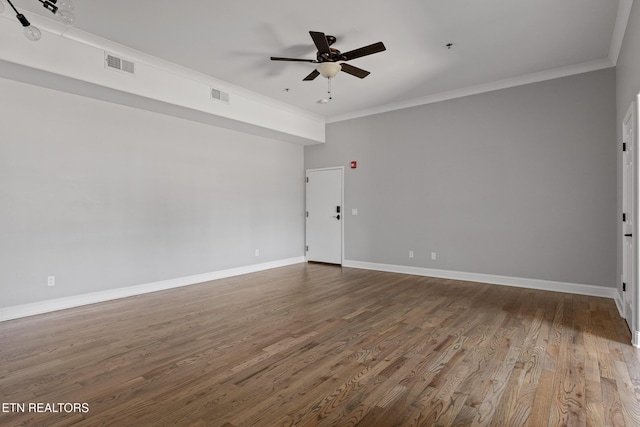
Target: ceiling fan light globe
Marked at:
329, 70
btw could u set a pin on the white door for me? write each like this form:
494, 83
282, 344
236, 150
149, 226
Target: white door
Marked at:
628, 217
324, 215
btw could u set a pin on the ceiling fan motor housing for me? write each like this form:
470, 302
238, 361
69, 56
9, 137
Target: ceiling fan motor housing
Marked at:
332, 56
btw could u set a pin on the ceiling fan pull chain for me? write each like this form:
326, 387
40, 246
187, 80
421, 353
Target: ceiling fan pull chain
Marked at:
329, 80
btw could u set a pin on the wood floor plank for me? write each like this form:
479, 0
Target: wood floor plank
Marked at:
318, 345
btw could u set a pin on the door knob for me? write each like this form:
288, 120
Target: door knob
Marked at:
337, 217
628, 235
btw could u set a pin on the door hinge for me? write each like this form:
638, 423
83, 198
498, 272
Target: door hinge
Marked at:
624, 287
624, 146
624, 217
307, 214
307, 248
307, 179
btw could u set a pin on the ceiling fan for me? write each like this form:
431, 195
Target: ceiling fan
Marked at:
330, 60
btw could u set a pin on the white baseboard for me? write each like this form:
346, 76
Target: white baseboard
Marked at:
620, 305
546, 285
15, 312
622, 310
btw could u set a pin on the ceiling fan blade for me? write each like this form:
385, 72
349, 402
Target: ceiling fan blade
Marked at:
320, 40
363, 51
277, 58
354, 71
313, 75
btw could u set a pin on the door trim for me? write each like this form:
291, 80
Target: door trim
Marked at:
344, 212
629, 207
635, 300
633, 112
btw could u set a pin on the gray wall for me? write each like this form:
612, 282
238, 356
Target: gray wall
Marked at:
518, 182
105, 196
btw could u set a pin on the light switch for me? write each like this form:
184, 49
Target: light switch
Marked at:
354, 211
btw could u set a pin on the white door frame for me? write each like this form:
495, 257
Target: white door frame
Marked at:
635, 298
633, 291
628, 229
344, 213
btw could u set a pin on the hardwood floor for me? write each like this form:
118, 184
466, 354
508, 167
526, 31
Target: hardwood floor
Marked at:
311, 345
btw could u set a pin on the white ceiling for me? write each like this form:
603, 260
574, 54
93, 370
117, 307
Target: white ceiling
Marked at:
494, 40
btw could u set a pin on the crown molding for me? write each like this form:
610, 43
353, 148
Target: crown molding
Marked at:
478, 89
622, 19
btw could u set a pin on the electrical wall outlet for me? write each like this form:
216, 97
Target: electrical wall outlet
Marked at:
51, 281
433, 256
257, 252
410, 254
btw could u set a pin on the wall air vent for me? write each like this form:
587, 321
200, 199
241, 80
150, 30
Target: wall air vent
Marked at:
112, 62
219, 95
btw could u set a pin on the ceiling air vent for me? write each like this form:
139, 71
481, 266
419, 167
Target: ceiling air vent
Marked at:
219, 95
112, 62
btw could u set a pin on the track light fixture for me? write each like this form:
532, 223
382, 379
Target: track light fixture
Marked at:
61, 8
